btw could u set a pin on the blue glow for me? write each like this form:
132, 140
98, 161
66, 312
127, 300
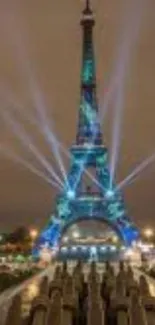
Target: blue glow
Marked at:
110, 207
71, 194
109, 194
93, 250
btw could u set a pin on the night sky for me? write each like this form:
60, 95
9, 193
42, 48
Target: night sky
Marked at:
40, 53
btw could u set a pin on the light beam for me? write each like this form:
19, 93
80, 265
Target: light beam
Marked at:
28, 143
125, 53
137, 171
24, 64
13, 156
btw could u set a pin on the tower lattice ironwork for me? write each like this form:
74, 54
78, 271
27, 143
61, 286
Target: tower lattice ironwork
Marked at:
73, 204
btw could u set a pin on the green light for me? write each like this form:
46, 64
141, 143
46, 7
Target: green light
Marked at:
101, 159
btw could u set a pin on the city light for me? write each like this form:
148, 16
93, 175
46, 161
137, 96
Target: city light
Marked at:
75, 234
64, 249
115, 239
32, 290
74, 248
103, 248
148, 233
129, 253
123, 248
65, 239
113, 248
93, 250
33, 233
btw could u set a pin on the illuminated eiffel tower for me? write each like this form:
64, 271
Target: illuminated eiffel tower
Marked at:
105, 204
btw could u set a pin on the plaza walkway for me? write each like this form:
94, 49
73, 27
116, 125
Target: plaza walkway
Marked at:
87, 294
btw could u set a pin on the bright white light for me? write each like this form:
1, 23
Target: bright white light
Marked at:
148, 233
145, 247
74, 248
46, 254
88, 145
137, 171
115, 239
64, 249
103, 248
93, 250
123, 248
129, 253
113, 248
32, 290
33, 233
70, 194
109, 194
76, 234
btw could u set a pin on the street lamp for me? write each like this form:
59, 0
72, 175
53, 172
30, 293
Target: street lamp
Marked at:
148, 233
33, 234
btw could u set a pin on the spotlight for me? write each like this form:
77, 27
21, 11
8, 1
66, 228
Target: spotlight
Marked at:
109, 194
70, 194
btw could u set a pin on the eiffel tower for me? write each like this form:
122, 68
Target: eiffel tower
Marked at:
73, 204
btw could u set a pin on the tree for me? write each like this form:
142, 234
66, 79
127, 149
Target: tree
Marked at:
20, 235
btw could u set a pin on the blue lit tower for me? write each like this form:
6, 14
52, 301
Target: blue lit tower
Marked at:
75, 204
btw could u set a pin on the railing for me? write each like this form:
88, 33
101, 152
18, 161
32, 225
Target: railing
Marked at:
88, 294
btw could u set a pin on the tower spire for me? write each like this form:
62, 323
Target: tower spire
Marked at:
89, 128
87, 8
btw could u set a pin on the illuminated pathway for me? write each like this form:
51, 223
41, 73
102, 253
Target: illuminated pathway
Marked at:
84, 294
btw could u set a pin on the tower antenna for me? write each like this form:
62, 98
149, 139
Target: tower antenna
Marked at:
87, 7
87, 4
